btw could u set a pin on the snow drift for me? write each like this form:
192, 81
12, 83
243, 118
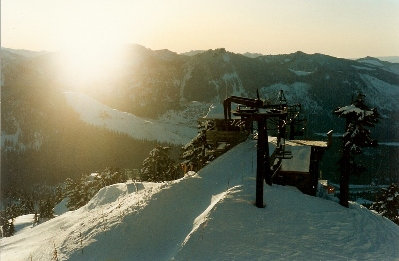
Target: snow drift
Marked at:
209, 216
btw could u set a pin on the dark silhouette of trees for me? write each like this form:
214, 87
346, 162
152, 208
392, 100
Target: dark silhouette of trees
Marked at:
159, 166
387, 203
194, 154
6, 224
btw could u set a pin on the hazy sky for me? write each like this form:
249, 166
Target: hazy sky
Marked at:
343, 28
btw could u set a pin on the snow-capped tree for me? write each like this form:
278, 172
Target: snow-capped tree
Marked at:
6, 224
84, 190
387, 203
79, 193
74, 191
111, 176
28, 206
69, 184
59, 193
359, 117
194, 153
158, 166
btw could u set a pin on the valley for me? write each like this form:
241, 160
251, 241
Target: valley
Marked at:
53, 129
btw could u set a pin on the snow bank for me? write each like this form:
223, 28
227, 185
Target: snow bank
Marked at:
293, 226
74, 230
209, 216
107, 195
61, 207
23, 223
204, 216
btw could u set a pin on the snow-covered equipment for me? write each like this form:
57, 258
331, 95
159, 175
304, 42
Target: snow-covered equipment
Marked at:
277, 166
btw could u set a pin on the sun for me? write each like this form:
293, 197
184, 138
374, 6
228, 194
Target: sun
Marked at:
90, 49
84, 62
89, 62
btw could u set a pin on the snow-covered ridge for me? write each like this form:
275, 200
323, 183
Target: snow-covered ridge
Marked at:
231, 79
234, 80
209, 216
300, 73
363, 68
297, 92
383, 95
188, 116
98, 114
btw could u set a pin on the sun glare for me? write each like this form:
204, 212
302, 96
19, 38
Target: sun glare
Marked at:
90, 49
88, 63
83, 63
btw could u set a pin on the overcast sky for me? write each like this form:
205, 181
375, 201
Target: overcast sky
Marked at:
342, 28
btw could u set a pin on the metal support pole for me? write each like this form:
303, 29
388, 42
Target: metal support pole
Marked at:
266, 163
260, 163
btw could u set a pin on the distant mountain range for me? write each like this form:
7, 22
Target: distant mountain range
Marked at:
152, 84
163, 80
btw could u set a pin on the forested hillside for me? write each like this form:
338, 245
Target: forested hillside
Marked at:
45, 139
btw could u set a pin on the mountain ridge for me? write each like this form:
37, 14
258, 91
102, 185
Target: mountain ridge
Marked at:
154, 83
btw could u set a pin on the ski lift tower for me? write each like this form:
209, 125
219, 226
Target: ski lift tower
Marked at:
257, 111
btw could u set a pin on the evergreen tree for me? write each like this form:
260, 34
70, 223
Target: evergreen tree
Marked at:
59, 193
387, 203
70, 185
112, 176
158, 166
79, 193
46, 208
7, 224
72, 191
195, 152
4, 224
35, 219
29, 206
357, 135
13, 210
11, 230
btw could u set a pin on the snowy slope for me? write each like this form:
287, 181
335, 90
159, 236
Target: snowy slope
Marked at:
98, 114
209, 216
297, 92
23, 223
382, 94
